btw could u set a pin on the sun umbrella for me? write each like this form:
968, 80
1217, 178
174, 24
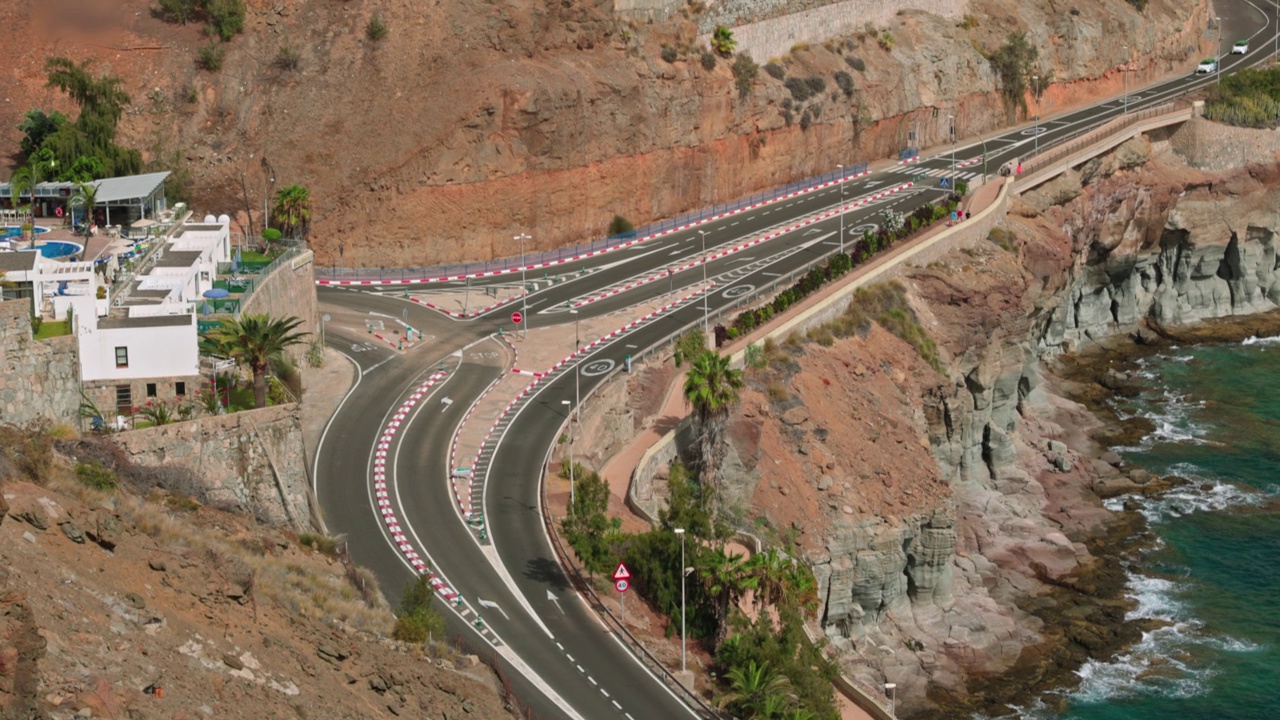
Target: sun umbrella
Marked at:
216, 293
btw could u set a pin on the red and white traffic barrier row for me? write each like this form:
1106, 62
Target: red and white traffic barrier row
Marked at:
972, 161
542, 376
909, 160
584, 256
453, 447
383, 498
750, 243
466, 315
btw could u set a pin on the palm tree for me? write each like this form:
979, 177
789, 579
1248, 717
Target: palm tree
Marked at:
23, 181
772, 572
292, 209
711, 387
750, 688
256, 340
726, 580
86, 197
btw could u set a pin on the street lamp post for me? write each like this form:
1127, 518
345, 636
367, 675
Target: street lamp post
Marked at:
841, 208
1035, 86
1125, 75
1218, 64
984, 159
524, 286
571, 483
683, 574
706, 311
951, 120
889, 688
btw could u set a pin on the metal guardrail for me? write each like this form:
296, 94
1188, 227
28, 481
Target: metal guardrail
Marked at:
596, 246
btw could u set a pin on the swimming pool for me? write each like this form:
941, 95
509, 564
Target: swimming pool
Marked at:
54, 249
13, 231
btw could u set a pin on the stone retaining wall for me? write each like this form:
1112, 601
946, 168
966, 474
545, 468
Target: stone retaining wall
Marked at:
289, 290
1215, 147
39, 379
770, 28
251, 462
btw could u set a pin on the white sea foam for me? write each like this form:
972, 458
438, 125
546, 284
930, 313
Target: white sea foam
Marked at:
1255, 340
1202, 493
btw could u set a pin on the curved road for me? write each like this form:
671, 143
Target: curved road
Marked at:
572, 666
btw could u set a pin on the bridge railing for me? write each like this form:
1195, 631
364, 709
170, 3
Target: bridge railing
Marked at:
595, 246
1086, 137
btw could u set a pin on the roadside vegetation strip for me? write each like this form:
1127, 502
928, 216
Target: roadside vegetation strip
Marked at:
665, 272
593, 253
539, 377
385, 508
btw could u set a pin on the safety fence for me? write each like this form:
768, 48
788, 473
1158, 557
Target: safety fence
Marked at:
1084, 138
594, 247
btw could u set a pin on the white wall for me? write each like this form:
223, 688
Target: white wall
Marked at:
162, 351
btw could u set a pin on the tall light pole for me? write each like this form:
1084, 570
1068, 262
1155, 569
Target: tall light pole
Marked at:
889, 688
841, 208
706, 311
951, 120
571, 483
683, 574
1125, 74
524, 286
1035, 86
1218, 69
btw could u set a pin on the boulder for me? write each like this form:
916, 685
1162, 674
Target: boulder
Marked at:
73, 533
795, 416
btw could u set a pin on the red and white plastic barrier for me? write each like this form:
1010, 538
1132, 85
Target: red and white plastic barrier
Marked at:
383, 498
584, 256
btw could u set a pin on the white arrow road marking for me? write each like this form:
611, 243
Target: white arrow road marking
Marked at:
492, 604
872, 183
677, 251
446, 402
741, 260
810, 231
624, 261
555, 600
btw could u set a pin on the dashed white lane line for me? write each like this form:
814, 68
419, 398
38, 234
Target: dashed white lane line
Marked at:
570, 657
593, 680
604, 692
584, 672
615, 704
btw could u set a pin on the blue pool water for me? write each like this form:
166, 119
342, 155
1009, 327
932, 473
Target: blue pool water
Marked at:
55, 249
13, 231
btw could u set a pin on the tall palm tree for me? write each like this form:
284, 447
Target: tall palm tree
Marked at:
711, 387
772, 572
726, 580
292, 209
23, 181
256, 340
750, 686
86, 197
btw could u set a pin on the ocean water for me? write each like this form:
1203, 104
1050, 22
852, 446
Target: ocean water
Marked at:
1214, 576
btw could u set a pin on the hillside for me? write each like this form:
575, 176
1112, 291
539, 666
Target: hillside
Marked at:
105, 594
471, 122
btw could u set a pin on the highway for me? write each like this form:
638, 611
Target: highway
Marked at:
560, 660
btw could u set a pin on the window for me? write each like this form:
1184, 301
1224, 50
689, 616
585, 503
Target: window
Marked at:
151, 390
179, 389
122, 357
124, 400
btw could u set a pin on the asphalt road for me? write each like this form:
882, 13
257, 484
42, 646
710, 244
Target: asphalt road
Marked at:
574, 661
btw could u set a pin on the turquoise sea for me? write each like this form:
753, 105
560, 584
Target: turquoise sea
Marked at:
1214, 576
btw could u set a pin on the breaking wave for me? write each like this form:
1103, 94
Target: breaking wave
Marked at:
1202, 493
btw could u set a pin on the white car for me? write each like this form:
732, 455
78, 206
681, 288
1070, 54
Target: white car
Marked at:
1208, 65
1240, 48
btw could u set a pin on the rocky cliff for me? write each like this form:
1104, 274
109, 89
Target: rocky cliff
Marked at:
953, 520
470, 122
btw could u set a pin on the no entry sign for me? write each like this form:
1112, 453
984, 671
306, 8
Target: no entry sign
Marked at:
516, 317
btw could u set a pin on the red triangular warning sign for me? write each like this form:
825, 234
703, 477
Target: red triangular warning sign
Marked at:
622, 573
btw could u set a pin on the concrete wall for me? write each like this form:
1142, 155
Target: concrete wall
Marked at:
646, 10
770, 28
38, 378
1215, 147
251, 462
289, 290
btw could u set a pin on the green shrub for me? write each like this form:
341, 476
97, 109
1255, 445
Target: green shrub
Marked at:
970, 22
1013, 63
856, 63
745, 71
1249, 98
708, 61
722, 41
844, 81
179, 11
885, 41
226, 17
816, 84
97, 476
800, 89
272, 235
689, 345
417, 622
36, 322
376, 29
776, 71
670, 54
619, 225
209, 57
